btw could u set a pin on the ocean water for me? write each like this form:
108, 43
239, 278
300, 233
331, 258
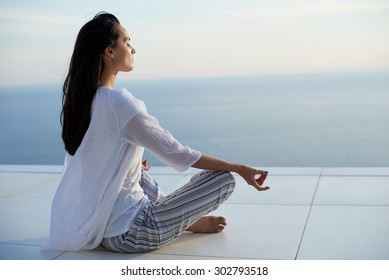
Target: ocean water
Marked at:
306, 120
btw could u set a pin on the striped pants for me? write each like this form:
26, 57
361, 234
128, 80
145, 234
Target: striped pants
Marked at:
166, 217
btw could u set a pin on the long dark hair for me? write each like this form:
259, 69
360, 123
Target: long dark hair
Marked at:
82, 81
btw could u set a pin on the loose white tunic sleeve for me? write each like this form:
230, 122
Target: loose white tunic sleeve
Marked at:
99, 193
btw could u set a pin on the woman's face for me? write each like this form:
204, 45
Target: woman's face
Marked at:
123, 52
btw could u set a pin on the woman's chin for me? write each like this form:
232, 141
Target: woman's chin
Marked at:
129, 69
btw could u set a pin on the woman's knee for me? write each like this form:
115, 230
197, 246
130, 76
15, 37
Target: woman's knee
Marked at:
223, 181
229, 177
229, 181
212, 173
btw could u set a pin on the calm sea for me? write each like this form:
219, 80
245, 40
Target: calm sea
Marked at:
310, 120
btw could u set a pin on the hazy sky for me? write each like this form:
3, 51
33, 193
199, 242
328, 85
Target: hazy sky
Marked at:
198, 38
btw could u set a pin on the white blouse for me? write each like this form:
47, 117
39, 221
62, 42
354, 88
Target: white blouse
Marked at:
99, 194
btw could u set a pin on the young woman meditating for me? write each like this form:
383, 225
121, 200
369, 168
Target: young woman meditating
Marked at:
105, 195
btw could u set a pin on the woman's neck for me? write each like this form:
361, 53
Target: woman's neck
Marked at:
107, 79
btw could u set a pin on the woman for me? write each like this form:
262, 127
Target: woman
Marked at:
105, 195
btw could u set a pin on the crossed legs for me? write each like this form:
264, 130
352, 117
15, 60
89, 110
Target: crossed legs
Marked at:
167, 217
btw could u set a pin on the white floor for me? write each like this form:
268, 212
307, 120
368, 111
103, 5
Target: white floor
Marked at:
309, 213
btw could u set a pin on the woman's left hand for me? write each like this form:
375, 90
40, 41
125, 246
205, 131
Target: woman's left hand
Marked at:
249, 175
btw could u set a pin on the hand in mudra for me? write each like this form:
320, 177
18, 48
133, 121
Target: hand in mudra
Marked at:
249, 174
145, 166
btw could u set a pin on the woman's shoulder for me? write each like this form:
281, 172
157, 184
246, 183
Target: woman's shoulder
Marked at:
114, 93
122, 100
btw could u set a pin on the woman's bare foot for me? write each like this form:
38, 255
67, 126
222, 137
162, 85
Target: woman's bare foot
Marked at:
208, 224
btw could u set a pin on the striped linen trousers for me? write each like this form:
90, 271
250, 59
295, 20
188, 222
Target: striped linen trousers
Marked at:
166, 217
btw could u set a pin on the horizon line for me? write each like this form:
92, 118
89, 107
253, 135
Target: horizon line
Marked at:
281, 74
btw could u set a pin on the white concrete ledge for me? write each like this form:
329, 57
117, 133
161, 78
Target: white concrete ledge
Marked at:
279, 171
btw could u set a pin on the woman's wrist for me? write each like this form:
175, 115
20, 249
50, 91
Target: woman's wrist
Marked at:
237, 168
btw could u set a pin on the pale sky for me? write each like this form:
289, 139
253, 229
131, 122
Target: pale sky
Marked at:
200, 38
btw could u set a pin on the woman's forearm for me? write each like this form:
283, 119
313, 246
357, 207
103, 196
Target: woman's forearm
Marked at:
211, 163
246, 172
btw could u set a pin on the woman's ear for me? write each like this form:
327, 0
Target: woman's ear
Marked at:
109, 52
